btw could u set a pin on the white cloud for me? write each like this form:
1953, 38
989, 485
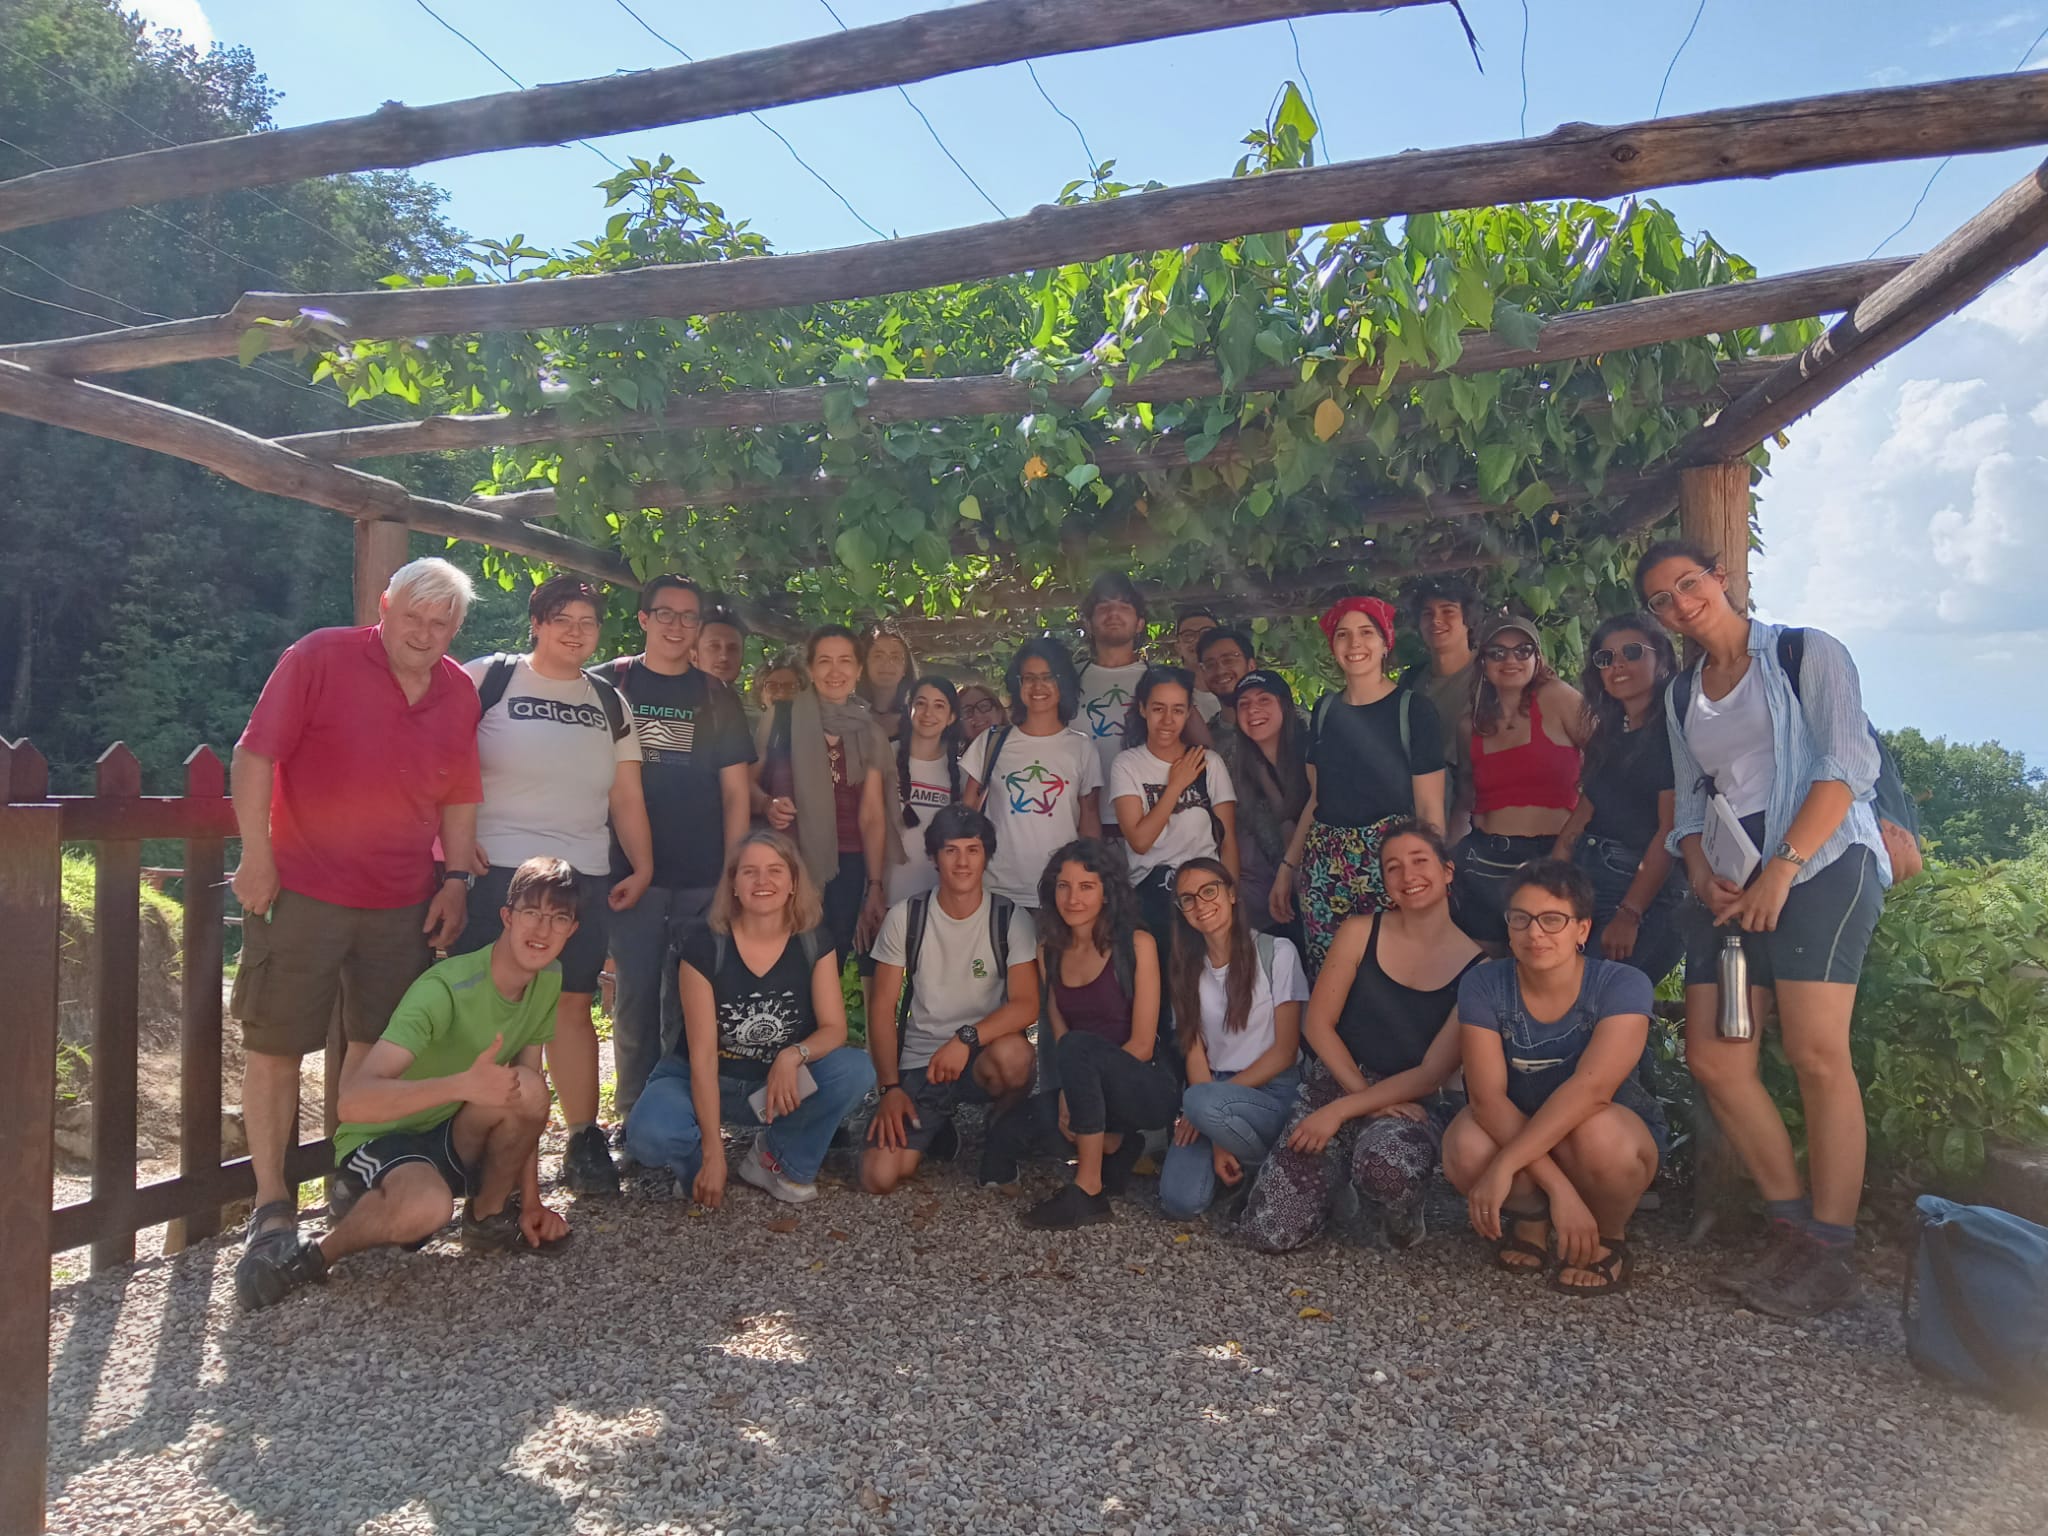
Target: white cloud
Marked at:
185, 16
1910, 516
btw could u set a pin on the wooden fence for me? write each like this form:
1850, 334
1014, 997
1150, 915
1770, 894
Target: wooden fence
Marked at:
113, 821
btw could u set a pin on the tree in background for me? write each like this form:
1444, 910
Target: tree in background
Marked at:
144, 599
1977, 800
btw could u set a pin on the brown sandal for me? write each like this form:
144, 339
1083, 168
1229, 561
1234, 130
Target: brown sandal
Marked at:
1615, 1270
1511, 1244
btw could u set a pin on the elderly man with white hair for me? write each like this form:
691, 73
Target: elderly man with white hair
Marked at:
360, 753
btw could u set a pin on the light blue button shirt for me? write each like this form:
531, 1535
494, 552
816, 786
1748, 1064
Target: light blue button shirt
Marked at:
1818, 734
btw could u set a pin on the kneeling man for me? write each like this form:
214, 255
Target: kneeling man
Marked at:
956, 987
445, 1112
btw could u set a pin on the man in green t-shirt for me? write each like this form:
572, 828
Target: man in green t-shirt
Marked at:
445, 1112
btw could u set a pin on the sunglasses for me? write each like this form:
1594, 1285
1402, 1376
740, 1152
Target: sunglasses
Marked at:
1525, 651
1633, 650
1549, 922
1210, 891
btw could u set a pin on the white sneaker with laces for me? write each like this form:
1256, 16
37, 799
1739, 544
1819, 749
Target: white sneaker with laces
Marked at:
760, 1169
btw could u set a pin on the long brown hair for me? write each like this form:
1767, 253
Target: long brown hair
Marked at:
1191, 953
1487, 715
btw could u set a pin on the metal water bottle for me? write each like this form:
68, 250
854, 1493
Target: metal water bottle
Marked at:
1736, 1021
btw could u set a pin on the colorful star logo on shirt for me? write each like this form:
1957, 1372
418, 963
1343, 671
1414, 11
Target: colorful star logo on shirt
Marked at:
1034, 791
1106, 714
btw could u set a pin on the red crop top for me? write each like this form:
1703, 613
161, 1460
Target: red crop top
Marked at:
1539, 772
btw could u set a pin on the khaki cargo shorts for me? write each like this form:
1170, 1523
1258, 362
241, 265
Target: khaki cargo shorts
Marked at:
311, 954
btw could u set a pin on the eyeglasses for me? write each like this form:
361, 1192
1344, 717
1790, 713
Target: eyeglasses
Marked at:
1632, 650
1549, 922
567, 625
1036, 679
981, 707
546, 917
1523, 652
675, 618
1201, 894
1685, 586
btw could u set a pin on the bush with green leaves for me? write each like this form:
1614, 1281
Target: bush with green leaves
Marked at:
1951, 1028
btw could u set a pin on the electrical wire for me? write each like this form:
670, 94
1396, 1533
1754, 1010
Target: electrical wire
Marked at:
1920, 201
1658, 111
1316, 111
477, 49
1525, 68
676, 48
1093, 163
928, 128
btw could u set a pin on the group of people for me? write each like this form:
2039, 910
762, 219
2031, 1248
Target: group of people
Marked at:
1306, 954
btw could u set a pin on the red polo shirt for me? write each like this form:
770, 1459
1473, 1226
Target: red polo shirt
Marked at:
361, 774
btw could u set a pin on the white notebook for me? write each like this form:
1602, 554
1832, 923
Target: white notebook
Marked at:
1730, 852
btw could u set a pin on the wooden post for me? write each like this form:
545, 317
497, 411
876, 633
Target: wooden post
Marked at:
1713, 511
117, 1004
31, 904
381, 548
199, 1029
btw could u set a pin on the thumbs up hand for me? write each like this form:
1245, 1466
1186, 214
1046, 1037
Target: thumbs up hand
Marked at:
488, 1083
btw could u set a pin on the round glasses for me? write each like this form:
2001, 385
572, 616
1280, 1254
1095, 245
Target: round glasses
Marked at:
1685, 586
1633, 650
1210, 891
546, 917
1549, 922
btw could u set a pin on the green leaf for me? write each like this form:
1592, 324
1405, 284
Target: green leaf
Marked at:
1200, 444
970, 508
1096, 401
855, 548
1533, 498
254, 343
1082, 474
1497, 464
1474, 298
1517, 327
1294, 113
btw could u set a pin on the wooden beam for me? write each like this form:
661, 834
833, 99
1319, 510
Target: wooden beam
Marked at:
1577, 160
2007, 234
263, 466
871, 58
1713, 511
1580, 333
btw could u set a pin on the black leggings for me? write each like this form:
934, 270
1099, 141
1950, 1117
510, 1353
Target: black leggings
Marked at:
843, 894
1109, 1089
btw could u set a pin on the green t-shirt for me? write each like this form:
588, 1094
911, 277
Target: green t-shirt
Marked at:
445, 1019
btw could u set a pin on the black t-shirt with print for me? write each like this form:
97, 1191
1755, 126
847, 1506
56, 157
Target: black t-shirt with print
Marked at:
758, 1016
690, 729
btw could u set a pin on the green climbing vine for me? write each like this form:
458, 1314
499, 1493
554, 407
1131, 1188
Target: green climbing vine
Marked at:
975, 515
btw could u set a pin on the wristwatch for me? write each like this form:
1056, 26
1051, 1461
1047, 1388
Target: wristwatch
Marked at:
803, 1052
969, 1035
468, 880
1788, 853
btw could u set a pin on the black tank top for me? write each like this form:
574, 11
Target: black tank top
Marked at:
1385, 1026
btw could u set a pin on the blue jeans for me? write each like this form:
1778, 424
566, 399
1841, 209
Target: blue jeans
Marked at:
1660, 936
647, 1011
662, 1131
1245, 1122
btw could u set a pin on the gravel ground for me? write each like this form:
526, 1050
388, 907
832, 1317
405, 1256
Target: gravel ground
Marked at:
922, 1364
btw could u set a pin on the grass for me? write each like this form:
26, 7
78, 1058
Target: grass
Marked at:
77, 880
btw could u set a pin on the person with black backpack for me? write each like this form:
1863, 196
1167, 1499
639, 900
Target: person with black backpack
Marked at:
561, 755
1173, 800
956, 987
1776, 773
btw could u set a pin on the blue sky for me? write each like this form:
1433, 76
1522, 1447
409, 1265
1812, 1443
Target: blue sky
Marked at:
1907, 515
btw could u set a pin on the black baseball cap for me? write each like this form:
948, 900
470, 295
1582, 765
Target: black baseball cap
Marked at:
1270, 682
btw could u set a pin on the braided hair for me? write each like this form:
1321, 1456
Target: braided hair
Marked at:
952, 742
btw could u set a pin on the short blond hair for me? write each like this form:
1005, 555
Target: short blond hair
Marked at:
806, 907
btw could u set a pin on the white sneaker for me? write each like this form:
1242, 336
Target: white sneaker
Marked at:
759, 1169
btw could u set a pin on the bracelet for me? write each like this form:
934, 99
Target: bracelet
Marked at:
1634, 912
874, 884
892, 1088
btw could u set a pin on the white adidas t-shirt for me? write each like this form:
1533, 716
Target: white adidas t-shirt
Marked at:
1033, 795
548, 760
1188, 834
1233, 1053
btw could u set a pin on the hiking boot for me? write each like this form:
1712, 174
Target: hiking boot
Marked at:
760, 1169
500, 1232
274, 1265
1117, 1165
1072, 1207
1001, 1143
1814, 1278
587, 1166
1779, 1250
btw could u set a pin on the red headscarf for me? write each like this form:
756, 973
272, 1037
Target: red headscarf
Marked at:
1378, 610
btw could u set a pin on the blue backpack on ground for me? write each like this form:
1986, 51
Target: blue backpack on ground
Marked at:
1980, 1276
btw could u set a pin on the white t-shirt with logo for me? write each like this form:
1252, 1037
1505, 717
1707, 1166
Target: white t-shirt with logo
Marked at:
548, 760
1233, 1053
1033, 795
931, 791
1189, 833
959, 979
1106, 697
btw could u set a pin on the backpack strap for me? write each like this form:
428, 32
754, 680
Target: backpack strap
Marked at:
807, 942
614, 702
1792, 655
721, 946
913, 945
1407, 755
1001, 913
995, 750
497, 678
1264, 943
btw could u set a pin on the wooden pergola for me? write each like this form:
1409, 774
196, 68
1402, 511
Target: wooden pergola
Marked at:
1882, 305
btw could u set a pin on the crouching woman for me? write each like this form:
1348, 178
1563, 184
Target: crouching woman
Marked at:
1560, 1135
762, 1013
